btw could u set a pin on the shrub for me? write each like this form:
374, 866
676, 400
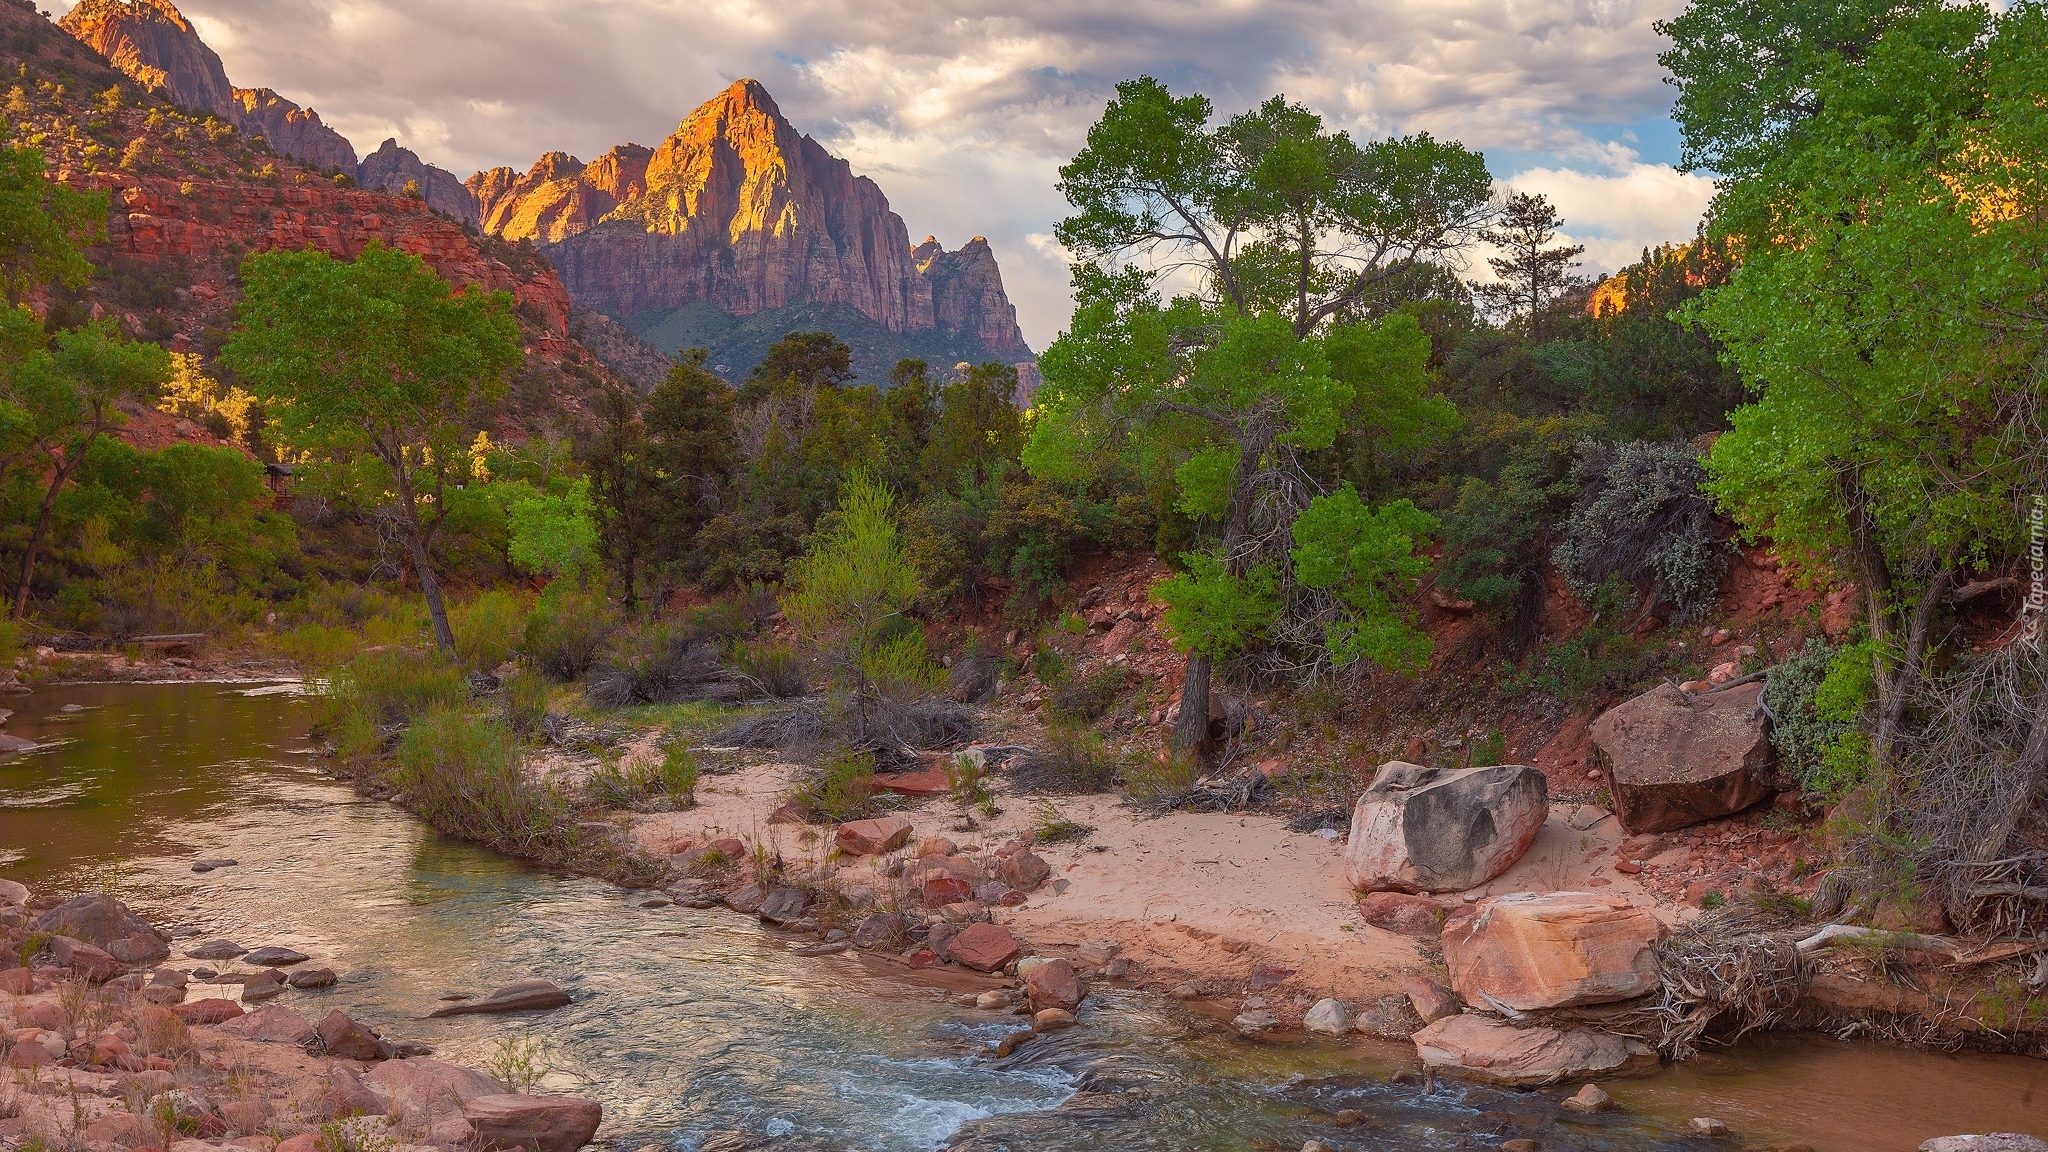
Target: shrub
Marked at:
1816, 697
391, 687
1073, 758
967, 777
1641, 516
773, 669
660, 664
1602, 657
462, 773
844, 789
489, 629
1050, 826
566, 631
315, 645
524, 703
679, 770
1092, 697
1152, 779
10, 641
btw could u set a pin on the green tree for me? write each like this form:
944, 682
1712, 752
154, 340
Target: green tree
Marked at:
552, 531
380, 357
848, 597
1888, 206
1295, 236
44, 226
1534, 273
692, 448
978, 430
625, 494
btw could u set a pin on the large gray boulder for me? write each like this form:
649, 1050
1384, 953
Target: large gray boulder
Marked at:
1675, 758
1988, 1142
1420, 829
106, 924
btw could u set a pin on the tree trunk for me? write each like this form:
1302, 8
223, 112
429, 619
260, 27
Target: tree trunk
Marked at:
1191, 727
1874, 573
2033, 765
35, 543
416, 541
1892, 710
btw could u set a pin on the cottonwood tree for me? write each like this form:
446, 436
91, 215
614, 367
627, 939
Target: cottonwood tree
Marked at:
376, 358
1533, 274
1887, 318
1289, 236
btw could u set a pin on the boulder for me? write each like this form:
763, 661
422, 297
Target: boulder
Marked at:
1255, 1024
15, 744
342, 1036
271, 1024
518, 996
346, 1095
1589, 1099
424, 1092
985, 947
1328, 1017
106, 924
784, 905
18, 981
1401, 913
1024, 871
85, 961
746, 900
1486, 1049
879, 930
215, 949
1052, 1020
1674, 759
1532, 950
872, 837
312, 978
1053, 984
533, 1123
1987, 1142
1422, 829
274, 956
13, 893
941, 890
209, 1011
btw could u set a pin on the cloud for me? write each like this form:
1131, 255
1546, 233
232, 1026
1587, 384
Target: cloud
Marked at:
963, 110
1616, 216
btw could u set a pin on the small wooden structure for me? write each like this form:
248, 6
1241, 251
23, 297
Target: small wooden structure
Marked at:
280, 479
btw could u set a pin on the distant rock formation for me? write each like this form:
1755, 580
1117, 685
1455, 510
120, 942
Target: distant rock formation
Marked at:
739, 211
394, 169
152, 42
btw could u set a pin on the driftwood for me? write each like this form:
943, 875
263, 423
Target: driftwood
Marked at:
1911, 941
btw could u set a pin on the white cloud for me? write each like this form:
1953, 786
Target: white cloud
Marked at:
1616, 216
964, 109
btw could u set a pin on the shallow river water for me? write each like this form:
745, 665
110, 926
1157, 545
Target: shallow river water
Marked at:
690, 1023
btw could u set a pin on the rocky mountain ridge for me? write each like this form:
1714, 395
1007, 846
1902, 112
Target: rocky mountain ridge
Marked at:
739, 211
155, 45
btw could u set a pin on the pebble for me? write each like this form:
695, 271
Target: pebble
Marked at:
657, 902
828, 949
1186, 992
1052, 1020
1589, 1099
275, 956
1706, 1126
210, 865
1255, 1025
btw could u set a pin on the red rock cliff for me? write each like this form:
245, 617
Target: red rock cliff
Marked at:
739, 210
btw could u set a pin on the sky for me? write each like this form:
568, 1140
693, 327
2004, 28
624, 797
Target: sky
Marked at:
963, 110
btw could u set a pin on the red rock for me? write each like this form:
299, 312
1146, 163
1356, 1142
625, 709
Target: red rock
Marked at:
1628, 868
106, 924
1266, 976
1024, 871
209, 1011
1552, 950
927, 779
1053, 984
18, 981
1401, 913
873, 837
942, 890
1485, 1049
303, 1142
922, 958
342, 1036
533, 1123
983, 947
1431, 1001
1676, 761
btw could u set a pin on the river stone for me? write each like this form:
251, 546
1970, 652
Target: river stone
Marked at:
872, 837
1532, 950
878, 930
746, 899
213, 863
985, 947
1486, 1049
15, 744
1052, 1020
85, 961
425, 1092
520, 995
212, 1010
1588, 1100
1024, 871
13, 893
1255, 1025
1675, 759
106, 924
312, 978
1420, 829
533, 1123
1401, 913
271, 1024
346, 1095
1053, 984
215, 949
1329, 1017
1987, 1142
274, 956
343, 1037
785, 905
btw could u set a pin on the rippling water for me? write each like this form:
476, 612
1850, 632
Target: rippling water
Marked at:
691, 1023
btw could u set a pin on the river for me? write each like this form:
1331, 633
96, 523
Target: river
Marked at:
688, 1023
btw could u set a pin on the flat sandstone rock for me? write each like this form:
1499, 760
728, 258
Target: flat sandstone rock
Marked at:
1485, 1049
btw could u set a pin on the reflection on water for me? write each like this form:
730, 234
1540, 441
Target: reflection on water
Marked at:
688, 1023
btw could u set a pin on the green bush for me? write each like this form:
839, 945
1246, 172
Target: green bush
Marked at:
844, 789
567, 630
524, 702
1816, 699
462, 773
774, 669
10, 641
1073, 758
679, 770
489, 629
391, 687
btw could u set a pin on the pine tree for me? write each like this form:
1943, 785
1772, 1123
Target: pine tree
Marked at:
1532, 275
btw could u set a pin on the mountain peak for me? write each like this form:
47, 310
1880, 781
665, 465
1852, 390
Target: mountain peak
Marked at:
152, 41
